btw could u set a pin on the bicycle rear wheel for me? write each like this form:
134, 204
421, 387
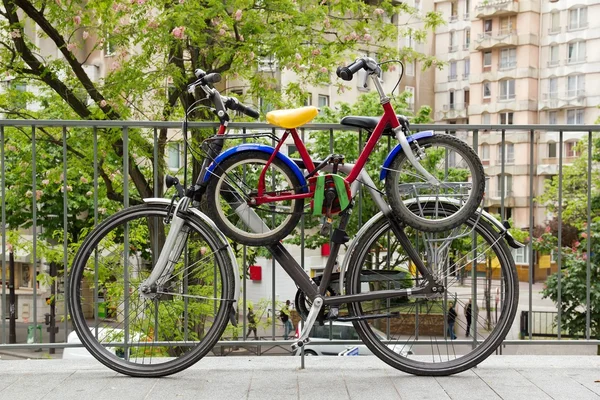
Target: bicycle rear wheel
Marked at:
461, 178
232, 188
413, 334
160, 333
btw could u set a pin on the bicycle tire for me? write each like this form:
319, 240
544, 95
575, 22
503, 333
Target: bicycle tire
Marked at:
151, 337
402, 177
236, 178
417, 339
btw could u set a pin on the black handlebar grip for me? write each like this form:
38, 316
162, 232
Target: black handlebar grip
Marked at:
252, 113
346, 73
211, 78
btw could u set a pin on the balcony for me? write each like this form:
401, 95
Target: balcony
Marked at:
489, 8
452, 49
577, 26
553, 63
576, 60
574, 93
453, 111
507, 64
569, 99
466, 16
454, 18
499, 194
510, 160
555, 30
452, 77
501, 38
506, 97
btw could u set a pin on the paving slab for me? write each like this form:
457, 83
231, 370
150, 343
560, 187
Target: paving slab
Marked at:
268, 377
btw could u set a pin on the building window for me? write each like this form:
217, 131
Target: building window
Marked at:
506, 118
521, 255
510, 154
484, 151
485, 118
576, 52
467, 97
552, 117
453, 47
506, 25
467, 39
578, 18
552, 150
571, 149
487, 27
575, 117
292, 150
308, 99
174, 155
452, 96
507, 89
575, 85
487, 90
453, 11
508, 58
507, 186
552, 88
554, 22
323, 100
467, 8
467, 68
554, 61
410, 68
418, 5
487, 59
452, 76
411, 99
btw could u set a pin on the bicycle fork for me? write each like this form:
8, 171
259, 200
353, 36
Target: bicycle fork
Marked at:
411, 157
171, 251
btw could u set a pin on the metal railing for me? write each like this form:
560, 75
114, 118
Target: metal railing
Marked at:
64, 136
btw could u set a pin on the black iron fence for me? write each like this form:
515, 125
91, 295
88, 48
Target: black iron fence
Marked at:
72, 161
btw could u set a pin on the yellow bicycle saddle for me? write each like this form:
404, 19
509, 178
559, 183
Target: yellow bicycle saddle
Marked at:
293, 118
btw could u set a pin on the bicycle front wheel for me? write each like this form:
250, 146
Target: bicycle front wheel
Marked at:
233, 187
158, 333
421, 335
459, 171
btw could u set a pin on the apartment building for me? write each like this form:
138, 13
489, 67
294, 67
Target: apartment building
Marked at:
518, 62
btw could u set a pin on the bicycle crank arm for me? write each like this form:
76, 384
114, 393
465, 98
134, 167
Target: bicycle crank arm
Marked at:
310, 321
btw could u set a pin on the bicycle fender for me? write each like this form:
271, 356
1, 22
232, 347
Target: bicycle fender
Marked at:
256, 147
207, 221
398, 148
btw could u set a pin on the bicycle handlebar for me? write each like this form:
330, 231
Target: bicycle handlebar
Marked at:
233, 104
346, 73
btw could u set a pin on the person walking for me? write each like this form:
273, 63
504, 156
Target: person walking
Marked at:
451, 321
251, 323
285, 315
468, 310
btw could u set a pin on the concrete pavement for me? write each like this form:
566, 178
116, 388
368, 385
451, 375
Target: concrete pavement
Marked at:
499, 377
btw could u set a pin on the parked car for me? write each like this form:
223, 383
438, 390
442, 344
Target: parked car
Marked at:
338, 330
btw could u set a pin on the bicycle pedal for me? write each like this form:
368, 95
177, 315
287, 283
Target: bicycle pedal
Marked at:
333, 314
326, 229
299, 344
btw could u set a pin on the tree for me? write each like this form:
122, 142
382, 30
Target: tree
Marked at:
573, 276
151, 49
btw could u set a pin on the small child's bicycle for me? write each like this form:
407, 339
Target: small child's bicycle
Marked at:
262, 179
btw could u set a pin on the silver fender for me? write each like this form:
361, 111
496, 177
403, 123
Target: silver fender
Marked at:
211, 225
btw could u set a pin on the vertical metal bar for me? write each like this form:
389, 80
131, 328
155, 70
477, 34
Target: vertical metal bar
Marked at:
588, 272
34, 229
126, 238
4, 253
474, 308
95, 138
503, 175
531, 221
360, 188
65, 228
274, 318
156, 163
559, 288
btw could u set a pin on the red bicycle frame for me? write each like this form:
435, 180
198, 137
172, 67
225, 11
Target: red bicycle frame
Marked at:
389, 117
